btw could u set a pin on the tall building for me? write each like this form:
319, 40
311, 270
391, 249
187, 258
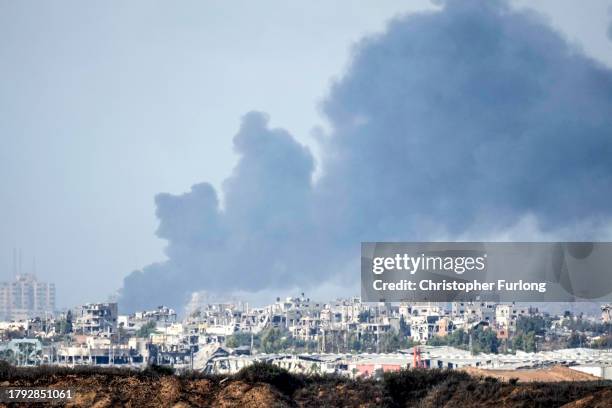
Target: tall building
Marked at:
25, 298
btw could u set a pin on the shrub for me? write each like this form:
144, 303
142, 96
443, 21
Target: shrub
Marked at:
158, 370
412, 385
278, 377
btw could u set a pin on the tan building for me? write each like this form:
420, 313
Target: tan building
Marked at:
445, 326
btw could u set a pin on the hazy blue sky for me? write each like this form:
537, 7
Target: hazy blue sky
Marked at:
105, 104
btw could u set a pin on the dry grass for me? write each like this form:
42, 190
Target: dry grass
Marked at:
266, 385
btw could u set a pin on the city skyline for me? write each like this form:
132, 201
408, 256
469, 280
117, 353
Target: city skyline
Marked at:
268, 203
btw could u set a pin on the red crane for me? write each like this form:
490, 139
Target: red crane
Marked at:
416, 358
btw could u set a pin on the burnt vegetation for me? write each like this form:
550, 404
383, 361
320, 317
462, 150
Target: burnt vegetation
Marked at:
265, 383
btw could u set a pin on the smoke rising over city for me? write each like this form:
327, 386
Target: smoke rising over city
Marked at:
472, 118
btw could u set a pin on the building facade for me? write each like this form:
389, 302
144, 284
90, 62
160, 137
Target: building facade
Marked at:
96, 319
26, 298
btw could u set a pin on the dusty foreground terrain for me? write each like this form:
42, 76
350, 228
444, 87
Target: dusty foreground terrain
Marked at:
269, 386
552, 374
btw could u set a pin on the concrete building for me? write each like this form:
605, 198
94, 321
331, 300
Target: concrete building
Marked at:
93, 350
606, 313
96, 319
472, 311
25, 298
506, 316
424, 328
445, 326
162, 316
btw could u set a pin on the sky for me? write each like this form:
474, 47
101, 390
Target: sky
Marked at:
105, 105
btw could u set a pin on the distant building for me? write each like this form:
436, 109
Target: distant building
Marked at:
26, 298
606, 313
506, 316
96, 319
445, 326
474, 311
162, 316
424, 328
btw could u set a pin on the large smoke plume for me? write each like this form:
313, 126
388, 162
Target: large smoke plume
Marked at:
470, 118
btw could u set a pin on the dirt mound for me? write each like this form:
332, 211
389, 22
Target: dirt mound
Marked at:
601, 399
364, 395
552, 374
273, 387
240, 394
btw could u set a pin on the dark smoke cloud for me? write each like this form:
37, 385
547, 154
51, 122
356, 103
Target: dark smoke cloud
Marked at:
263, 233
475, 114
470, 117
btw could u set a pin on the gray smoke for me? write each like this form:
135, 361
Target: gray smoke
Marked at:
472, 117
